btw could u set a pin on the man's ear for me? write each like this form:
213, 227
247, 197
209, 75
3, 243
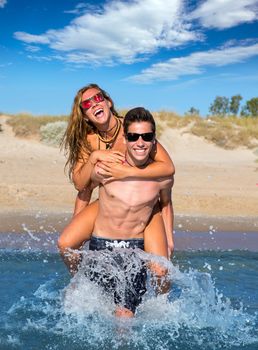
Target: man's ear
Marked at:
154, 146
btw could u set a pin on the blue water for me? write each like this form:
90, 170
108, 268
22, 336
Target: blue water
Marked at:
213, 303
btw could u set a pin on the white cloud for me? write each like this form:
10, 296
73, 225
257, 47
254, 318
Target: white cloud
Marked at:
40, 58
32, 39
83, 7
119, 32
225, 13
195, 63
3, 3
32, 48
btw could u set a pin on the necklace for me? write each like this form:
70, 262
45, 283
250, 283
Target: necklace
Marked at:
109, 141
113, 127
126, 160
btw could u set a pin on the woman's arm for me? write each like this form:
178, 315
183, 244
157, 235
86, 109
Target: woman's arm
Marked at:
82, 200
162, 166
82, 171
81, 174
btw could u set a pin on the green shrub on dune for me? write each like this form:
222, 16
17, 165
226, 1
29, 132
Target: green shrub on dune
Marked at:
27, 125
52, 133
228, 132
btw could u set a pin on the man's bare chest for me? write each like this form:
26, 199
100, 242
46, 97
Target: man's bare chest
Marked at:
132, 193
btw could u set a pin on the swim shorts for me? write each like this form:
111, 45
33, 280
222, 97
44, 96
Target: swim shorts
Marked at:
123, 273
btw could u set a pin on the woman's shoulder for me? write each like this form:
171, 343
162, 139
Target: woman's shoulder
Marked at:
93, 141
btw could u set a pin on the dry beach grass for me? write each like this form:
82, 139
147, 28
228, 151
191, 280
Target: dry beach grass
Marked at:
214, 186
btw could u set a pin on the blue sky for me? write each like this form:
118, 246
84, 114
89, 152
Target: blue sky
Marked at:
160, 54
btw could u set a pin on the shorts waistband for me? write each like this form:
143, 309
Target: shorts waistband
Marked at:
100, 243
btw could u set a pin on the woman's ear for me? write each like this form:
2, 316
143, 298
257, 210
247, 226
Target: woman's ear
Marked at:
84, 116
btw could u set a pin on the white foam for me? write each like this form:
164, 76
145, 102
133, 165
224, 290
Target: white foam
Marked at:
193, 313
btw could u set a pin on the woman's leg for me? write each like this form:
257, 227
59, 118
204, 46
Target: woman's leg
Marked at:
74, 235
155, 242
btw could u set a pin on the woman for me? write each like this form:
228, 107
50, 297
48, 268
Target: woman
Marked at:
94, 134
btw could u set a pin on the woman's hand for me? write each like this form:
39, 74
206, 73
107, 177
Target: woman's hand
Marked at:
115, 171
106, 156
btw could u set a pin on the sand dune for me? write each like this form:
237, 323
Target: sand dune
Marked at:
211, 183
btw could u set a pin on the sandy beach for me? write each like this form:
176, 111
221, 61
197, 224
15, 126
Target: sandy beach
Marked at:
215, 189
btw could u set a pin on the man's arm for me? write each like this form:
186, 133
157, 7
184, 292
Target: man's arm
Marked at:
168, 216
155, 243
160, 272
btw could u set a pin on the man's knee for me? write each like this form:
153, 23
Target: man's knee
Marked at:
123, 312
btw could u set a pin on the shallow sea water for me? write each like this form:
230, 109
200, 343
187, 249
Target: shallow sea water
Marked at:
212, 304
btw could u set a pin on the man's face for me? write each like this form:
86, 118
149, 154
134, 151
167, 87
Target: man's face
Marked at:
138, 151
99, 108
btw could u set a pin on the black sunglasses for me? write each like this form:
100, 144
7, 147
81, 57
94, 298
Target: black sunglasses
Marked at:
133, 136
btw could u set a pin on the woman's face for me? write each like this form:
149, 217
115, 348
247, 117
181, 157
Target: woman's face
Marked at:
96, 108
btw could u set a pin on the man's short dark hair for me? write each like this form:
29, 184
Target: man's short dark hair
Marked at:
138, 114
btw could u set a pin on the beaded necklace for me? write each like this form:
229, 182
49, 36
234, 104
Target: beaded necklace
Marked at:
109, 141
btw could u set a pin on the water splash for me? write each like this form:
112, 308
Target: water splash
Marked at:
30, 233
79, 315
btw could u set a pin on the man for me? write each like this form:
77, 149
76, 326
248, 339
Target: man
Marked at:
125, 207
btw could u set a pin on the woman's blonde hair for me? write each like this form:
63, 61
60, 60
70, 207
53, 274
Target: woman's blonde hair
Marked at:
74, 141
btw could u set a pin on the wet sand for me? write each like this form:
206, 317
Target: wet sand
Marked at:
184, 241
55, 222
191, 233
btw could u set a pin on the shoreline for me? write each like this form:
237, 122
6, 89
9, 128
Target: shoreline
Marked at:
55, 221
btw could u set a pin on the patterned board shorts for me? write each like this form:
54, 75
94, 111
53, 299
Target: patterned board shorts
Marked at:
125, 274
